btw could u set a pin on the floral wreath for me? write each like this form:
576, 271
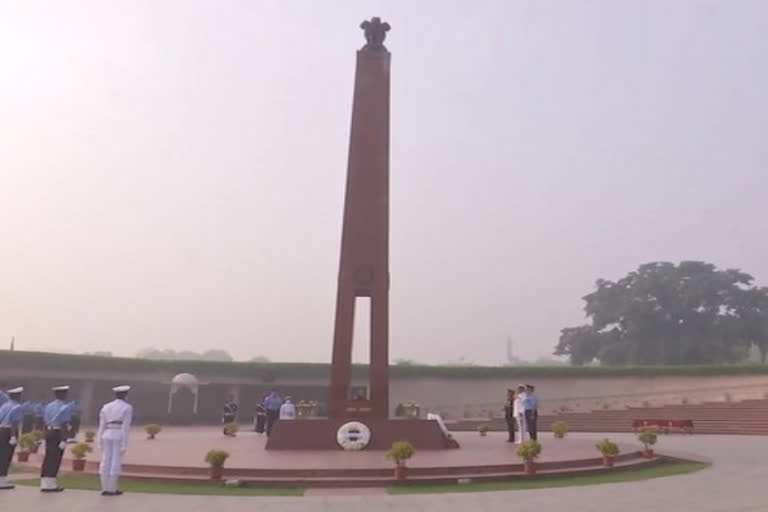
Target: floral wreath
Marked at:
353, 436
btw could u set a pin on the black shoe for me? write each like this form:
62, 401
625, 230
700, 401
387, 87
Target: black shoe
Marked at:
57, 489
118, 493
7, 487
107, 493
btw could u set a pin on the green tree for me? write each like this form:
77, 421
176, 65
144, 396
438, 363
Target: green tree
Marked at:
662, 313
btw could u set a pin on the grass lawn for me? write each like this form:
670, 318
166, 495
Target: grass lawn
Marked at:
91, 483
666, 469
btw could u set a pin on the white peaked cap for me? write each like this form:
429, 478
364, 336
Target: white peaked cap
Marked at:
16, 391
121, 389
60, 388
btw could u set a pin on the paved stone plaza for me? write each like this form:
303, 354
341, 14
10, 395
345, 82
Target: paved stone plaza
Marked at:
735, 483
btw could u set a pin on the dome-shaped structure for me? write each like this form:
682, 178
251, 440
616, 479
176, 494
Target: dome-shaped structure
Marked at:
185, 379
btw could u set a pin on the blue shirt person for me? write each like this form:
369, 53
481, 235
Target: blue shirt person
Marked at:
3, 397
57, 414
273, 402
11, 413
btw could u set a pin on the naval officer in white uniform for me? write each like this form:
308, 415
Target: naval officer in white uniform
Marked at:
114, 426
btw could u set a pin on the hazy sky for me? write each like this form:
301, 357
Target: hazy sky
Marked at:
172, 172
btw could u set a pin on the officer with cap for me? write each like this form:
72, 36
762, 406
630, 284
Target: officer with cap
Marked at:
11, 414
114, 426
57, 415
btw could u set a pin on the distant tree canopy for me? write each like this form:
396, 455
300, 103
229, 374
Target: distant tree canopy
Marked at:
184, 355
662, 313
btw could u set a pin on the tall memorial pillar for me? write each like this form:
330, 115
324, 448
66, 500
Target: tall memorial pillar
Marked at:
364, 262
363, 273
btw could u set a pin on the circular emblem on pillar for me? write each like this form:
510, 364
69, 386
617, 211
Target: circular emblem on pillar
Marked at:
353, 436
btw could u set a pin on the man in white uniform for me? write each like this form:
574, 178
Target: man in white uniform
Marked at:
288, 410
114, 426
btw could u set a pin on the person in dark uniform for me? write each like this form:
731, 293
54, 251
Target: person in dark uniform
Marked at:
531, 411
11, 414
230, 414
57, 416
509, 414
261, 418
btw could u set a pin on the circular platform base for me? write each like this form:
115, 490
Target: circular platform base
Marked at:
178, 454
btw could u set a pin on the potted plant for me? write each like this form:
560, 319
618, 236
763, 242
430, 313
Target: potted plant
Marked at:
90, 436
609, 449
79, 451
231, 429
400, 452
26, 445
648, 438
559, 429
38, 437
216, 459
152, 430
483, 429
529, 451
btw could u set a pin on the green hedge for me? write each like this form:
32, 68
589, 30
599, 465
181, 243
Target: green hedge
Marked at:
270, 371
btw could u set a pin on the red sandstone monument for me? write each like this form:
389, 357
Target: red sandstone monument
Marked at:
363, 272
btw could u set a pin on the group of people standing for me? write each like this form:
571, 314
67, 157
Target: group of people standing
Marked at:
521, 411
271, 409
57, 422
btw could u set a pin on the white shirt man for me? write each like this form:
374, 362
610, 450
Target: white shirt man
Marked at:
519, 413
288, 410
114, 426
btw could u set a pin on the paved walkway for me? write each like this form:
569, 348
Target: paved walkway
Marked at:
736, 483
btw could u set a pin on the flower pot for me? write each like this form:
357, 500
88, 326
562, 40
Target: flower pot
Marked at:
401, 472
150, 437
483, 434
78, 465
34, 448
608, 461
648, 453
529, 468
217, 472
23, 456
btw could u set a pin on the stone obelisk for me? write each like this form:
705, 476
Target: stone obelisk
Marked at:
363, 272
364, 263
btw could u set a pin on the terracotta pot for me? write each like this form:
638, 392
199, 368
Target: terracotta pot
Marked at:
483, 434
529, 467
608, 461
23, 456
648, 453
217, 472
78, 464
34, 448
401, 472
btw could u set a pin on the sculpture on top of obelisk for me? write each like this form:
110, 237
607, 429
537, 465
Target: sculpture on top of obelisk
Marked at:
375, 33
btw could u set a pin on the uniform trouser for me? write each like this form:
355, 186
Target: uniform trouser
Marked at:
522, 428
6, 454
511, 428
530, 422
111, 463
52, 459
272, 417
53, 453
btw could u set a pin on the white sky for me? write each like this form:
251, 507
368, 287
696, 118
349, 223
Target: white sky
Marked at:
172, 172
